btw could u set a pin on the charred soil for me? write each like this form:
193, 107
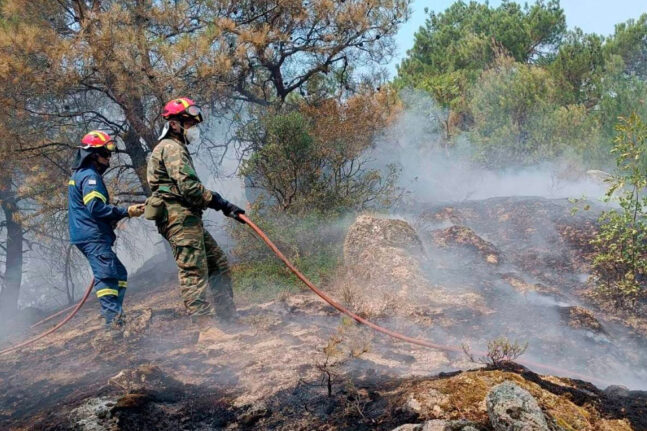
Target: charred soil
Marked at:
295, 364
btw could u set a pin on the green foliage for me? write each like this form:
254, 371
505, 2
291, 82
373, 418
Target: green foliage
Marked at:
630, 43
518, 119
559, 92
621, 95
299, 173
577, 67
620, 263
312, 241
454, 46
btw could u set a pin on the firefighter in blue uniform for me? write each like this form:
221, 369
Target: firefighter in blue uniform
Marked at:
92, 221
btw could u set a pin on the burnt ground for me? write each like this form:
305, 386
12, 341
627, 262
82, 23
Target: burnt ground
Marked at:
275, 354
294, 364
529, 259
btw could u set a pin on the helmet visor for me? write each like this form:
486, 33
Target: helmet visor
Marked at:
194, 111
109, 146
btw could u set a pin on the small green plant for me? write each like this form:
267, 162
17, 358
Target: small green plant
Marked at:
619, 267
499, 350
350, 341
313, 242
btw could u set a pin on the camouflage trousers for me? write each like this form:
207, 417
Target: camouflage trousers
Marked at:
202, 264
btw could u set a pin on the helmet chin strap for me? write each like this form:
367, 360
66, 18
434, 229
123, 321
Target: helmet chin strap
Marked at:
168, 130
165, 131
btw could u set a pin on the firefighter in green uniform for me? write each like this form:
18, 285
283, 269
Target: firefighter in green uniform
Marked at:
177, 202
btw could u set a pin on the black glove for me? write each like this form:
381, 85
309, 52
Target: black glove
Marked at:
233, 211
217, 202
228, 209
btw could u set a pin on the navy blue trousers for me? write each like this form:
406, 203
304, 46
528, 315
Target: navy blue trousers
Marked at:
110, 277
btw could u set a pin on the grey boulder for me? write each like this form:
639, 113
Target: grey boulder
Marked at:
511, 408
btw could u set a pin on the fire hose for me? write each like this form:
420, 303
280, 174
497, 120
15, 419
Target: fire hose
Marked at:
330, 301
394, 334
58, 325
48, 318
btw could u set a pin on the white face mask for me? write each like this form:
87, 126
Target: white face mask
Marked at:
192, 134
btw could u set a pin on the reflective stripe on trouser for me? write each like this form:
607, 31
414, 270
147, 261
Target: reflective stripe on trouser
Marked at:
110, 277
201, 263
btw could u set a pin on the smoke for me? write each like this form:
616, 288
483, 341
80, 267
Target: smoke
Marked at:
528, 237
432, 173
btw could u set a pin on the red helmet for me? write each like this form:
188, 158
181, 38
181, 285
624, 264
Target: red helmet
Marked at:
98, 139
182, 108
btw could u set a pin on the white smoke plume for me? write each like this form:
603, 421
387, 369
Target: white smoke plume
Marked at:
435, 174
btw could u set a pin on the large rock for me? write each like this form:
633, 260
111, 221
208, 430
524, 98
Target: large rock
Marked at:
439, 425
384, 276
511, 408
370, 232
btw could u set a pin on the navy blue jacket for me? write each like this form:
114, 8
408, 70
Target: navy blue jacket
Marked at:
91, 217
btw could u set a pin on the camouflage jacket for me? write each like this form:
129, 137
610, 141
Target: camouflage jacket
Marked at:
171, 175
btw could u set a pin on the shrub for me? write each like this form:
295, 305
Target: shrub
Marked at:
519, 120
315, 158
620, 263
499, 350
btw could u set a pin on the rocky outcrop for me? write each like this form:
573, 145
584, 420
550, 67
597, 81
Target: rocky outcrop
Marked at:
383, 272
511, 408
369, 232
465, 238
580, 318
439, 425
541, 236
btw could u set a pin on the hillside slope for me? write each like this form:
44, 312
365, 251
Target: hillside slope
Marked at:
295, 364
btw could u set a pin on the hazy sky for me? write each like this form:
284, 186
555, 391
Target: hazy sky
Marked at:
592, 16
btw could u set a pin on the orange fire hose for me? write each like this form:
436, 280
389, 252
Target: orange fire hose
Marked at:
61, 323
395, 334
48, 318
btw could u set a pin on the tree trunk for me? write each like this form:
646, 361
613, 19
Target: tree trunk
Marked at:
138, 158
69, 284
13, 269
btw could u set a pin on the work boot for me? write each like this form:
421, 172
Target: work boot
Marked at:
225, 309
203, 321
228, 316
119, 321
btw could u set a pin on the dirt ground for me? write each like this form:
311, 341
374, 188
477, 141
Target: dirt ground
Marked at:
294, 363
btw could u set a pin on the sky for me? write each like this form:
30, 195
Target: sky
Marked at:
592, 16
